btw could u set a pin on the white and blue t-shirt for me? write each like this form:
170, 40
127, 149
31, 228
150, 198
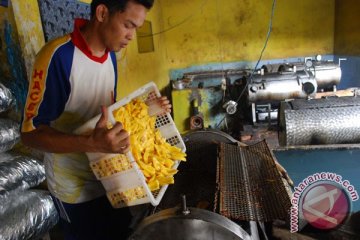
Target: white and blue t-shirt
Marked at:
67, 88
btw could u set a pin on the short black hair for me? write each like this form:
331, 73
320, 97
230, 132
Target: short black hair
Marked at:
118, 5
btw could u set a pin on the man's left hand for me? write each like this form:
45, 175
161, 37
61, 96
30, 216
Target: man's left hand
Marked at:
165, 104
159, 106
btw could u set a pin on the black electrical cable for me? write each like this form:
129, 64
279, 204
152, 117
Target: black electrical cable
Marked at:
257, 64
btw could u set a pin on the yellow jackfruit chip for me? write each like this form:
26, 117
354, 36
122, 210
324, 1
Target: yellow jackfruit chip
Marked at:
153, 154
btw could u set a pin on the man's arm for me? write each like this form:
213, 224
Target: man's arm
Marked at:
102, 139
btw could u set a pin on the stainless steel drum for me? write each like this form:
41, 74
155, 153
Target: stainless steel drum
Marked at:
281, 86
320, 121
327, 74
197, 224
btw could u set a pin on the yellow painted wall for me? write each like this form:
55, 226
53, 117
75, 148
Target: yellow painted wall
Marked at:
235, 30
206, 31
29, 27
137, 69
199, 32
85, 1
6, 14
347, 28
27, 33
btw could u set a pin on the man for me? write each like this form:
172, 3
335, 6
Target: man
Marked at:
74, 78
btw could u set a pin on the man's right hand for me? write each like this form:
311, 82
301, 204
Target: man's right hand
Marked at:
113, 140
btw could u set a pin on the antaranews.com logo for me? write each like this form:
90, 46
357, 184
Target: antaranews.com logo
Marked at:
322, 200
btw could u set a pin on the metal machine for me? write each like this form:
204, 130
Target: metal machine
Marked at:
222, 93
221, 181
327, 74
320, 121
289, 93
279, 82
281, 86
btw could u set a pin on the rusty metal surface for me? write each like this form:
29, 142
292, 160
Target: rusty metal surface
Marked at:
251, 188
197, 176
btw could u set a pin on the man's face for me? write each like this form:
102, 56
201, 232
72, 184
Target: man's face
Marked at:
119, 28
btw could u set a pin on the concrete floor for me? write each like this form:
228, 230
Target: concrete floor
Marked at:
285, 234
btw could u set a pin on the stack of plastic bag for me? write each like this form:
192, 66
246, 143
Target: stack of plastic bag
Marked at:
24, 213
27, 215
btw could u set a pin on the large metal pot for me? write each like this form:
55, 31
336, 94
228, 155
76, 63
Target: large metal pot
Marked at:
176, 224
